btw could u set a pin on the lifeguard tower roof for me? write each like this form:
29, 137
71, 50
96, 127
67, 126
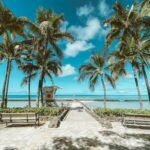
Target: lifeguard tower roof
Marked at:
52, 89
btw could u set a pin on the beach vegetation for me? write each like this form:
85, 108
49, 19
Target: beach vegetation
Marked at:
96, 70
42, 111
101, 112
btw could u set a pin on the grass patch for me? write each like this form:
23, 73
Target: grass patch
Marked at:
119, 112
43, 111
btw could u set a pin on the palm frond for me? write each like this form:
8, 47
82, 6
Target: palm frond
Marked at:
113, 34
50, 76
120, 10
110, 80
98, 60
92, 81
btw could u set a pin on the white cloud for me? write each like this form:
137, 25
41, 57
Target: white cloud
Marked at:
67, 70
87, 32
85, 10
83, 36
64, 26
104, 8
129, 76
73, 49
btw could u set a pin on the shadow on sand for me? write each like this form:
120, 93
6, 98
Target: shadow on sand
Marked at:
85, 143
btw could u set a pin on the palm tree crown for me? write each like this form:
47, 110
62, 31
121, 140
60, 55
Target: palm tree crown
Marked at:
96, 70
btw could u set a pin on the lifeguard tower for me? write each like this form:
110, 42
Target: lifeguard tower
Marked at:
49, 95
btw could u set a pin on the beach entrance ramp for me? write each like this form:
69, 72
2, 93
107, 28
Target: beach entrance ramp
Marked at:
49, 95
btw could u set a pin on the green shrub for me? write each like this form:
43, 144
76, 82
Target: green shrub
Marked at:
119, 112
43, 111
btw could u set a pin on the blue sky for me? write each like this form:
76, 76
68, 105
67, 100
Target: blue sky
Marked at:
83, 18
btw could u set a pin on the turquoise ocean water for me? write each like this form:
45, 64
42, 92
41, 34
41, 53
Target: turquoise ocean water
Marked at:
113, 101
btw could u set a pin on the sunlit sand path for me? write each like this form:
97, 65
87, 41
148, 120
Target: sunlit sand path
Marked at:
79, 123
79, 130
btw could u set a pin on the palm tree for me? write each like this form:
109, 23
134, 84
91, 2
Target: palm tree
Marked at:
145, 43
11, 24
46, 33
129, 23
144, 8
9, 51
47, 30
10, 27
31, 72
123, 56
95, 70
123, 23
143, 54
48, 64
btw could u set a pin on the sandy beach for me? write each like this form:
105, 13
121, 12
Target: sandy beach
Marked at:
78, 130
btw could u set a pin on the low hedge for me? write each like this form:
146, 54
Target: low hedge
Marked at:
119, 112
43, 111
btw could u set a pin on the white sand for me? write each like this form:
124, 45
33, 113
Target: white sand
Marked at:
78, 130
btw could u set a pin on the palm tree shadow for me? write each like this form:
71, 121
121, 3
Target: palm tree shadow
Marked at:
84, 143
10, 148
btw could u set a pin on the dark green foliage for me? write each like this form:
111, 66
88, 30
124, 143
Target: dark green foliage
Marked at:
43, 111
119, 112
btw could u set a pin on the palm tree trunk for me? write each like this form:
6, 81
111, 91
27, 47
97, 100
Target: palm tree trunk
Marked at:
137, 87
4, 85
38, 94
7, 86
29, 98
39, 90
146, 81
42, 102
46, 44
104, 88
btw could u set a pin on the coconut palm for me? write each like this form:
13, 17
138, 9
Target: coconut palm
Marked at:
143, 54
46, 33
11, 24
30, 73
9, 51
123, 56
47, 30
48, 64
10, 27
123, 23
118, 69
95, 70
144, 8
129, 23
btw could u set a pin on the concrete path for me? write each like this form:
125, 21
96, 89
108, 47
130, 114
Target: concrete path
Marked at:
79, 121
79, 131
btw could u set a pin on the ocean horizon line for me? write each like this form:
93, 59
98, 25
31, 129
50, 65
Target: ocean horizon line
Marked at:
75, 95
